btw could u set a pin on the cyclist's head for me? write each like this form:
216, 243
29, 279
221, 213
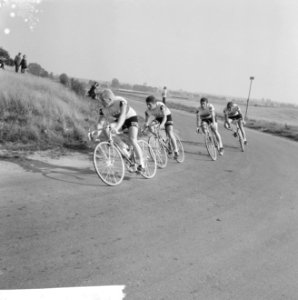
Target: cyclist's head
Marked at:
150, 101
230, 104
107, 97
204, 101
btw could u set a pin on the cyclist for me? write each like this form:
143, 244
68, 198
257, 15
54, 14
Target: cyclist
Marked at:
232, 112
206, 113
158, 111
122, 116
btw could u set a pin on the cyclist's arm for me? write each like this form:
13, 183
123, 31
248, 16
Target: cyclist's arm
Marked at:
198, 119
226, 115
148, 119
213, 117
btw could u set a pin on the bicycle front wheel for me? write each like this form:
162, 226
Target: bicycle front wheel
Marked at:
149, 159
241, 141
108, 163
159, 151
180, 158
210, 146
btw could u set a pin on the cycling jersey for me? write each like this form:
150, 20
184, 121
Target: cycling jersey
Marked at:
205, 113
114, 110
233, 112
159, 111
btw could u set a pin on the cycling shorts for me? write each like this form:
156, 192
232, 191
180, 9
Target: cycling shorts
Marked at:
132, 121
208, 120
236, 117
169, 120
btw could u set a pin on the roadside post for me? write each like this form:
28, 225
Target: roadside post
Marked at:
251, 79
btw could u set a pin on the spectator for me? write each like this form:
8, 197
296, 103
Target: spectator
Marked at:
164, 94
2, 63
92, 91
23, 64
17, 62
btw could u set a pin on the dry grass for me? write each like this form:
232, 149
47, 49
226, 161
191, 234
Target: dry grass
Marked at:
40, 113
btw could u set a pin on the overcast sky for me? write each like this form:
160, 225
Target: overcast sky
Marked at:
208, 46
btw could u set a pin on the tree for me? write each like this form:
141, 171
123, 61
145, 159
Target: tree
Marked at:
37, 70
78, 87
5, 57
4, 54
115, 83
64, 79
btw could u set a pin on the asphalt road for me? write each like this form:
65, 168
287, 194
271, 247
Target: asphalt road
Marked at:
199, 230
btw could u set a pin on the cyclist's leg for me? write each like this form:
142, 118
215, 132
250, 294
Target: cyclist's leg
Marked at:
214, 128
203, 126
240, 123
133, 138
170, 133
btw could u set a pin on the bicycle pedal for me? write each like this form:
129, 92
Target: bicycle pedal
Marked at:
131, 168
140, 170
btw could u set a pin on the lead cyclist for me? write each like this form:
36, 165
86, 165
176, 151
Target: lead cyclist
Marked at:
124, 116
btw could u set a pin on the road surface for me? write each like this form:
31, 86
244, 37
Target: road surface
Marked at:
199, 230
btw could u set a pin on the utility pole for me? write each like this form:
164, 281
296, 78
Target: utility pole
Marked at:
251, 79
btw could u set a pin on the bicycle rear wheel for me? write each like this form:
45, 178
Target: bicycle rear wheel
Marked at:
159, 150
149, 159
108, 163
210, 146
180, 158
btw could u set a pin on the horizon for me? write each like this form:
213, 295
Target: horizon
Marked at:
210, 47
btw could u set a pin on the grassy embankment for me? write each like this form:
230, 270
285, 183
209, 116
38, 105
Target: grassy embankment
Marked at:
37, 113
280, 121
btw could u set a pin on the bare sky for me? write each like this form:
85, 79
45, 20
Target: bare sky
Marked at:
208, 46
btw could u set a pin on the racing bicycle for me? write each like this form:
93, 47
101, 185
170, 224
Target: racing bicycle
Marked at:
211, 141
161, 144
110, 160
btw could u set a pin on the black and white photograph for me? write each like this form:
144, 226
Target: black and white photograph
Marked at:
148, 149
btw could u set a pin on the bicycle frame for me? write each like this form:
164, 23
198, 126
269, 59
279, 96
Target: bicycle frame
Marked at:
166, 142
110, 139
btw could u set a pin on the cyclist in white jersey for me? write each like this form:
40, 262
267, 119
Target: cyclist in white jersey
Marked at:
157, 110
121, 116
206, 113
232, 112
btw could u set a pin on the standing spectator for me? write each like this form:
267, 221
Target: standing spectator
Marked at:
17, 62
164, 94
2, 63
23, 64
92, 91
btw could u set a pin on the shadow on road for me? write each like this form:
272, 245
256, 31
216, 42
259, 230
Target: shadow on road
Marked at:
75, 175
